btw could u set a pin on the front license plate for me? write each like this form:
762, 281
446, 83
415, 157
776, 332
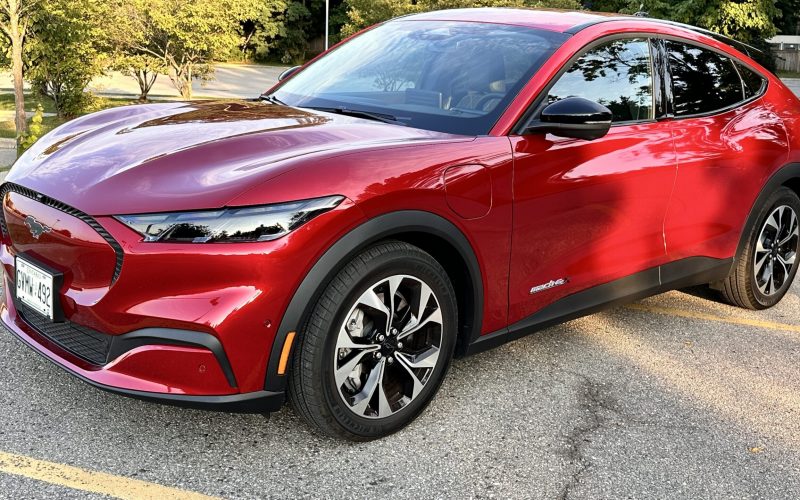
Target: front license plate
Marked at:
35, 287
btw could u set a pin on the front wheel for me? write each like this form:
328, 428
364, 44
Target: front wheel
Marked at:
769, 263
377, 344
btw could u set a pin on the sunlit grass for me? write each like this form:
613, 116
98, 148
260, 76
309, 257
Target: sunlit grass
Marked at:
8, 130
788, 74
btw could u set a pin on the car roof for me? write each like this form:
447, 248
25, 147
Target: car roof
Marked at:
564, 21
549, 19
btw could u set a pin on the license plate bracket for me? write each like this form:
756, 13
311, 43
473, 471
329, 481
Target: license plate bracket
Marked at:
40, 279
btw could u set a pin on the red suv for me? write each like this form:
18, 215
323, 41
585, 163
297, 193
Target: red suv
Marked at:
437, 185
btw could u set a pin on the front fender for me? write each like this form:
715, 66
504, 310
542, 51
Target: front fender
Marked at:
376, 229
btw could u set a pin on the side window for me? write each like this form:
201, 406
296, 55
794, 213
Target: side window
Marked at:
617, 74
702, 80
753, 82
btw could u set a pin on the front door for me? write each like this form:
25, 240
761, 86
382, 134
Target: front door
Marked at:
589, 212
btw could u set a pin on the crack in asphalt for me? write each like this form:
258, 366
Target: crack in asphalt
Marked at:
595, 400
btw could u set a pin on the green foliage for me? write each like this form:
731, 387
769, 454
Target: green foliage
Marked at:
743, 20
363, 13
789, 22
144, 68
35, 128
66, 49
259, 33
293, 42
284, 29
185, 36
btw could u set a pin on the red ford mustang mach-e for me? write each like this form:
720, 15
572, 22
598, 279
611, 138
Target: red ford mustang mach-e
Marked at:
437, 185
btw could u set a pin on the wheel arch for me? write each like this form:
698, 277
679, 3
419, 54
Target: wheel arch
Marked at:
786, 176
794, 184
432, 233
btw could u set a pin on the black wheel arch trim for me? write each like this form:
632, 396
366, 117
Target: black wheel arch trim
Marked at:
378, 228
788, 172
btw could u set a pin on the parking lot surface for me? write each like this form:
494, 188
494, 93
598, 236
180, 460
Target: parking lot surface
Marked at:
676, 396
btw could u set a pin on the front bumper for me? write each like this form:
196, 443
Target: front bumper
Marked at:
183, 324
253, 402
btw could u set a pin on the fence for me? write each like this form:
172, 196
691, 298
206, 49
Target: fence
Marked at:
787, 60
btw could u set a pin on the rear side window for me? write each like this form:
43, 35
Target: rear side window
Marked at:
753, 82
702, 80
617, 74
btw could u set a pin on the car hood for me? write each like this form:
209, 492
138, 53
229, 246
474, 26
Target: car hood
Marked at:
189, 155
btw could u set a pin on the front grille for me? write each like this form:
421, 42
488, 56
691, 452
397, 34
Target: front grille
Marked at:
89, 345
88, 219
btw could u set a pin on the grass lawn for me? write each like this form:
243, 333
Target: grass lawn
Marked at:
7, 103
788, 74
8, 131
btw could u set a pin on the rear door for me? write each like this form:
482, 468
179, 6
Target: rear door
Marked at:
590, 212
728, 141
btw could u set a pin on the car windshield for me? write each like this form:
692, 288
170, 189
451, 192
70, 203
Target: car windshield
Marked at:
453, 77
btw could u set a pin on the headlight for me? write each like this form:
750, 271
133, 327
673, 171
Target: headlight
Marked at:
229, 225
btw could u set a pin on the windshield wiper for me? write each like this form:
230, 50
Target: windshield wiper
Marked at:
380, 117
271, 99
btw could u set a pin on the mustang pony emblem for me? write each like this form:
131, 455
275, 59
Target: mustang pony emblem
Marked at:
36, 227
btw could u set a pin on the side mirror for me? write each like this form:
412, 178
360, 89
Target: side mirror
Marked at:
287, 73
573, 117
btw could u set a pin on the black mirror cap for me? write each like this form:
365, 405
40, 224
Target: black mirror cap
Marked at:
574, 117
287, 73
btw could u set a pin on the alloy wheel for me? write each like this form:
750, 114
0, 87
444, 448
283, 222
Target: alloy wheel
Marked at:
388, 346
776, 250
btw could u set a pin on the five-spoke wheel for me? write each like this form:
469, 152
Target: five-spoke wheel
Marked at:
776, 250
388, 346
377, 344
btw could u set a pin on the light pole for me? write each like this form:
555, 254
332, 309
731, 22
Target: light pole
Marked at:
326, 23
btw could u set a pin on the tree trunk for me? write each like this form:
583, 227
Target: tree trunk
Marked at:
186, 92
17, 38
181, 78
146, 80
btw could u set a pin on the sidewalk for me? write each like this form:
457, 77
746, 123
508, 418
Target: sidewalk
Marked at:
8, 155
792, 83
230, 81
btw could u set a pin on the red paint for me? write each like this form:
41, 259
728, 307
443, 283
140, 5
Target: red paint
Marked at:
469, 190
534, 208
587, 211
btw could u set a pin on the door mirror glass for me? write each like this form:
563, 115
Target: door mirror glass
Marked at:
574, 117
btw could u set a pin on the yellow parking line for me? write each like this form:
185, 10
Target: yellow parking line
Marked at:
683, 313
89, 481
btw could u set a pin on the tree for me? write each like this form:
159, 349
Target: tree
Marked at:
123, 36
295, 32
187, 37
144, 68
15, 17
749, 21
259, 33
66, 50
789, 22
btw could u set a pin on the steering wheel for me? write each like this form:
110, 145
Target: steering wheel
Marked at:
486, 98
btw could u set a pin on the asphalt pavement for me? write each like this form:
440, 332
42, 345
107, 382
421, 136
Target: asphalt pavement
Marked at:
676, 396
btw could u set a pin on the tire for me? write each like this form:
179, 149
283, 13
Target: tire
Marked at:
753, 284
345, 335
